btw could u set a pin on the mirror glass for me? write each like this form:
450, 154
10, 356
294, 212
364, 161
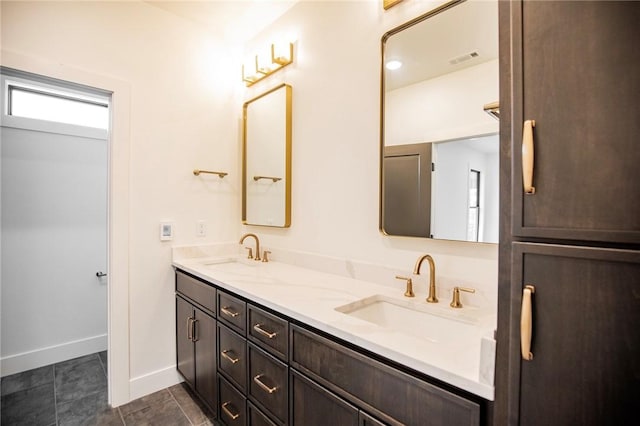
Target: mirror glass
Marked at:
266, 159
439, 132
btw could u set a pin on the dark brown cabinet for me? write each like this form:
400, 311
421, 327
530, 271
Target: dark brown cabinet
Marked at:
233, 405
586, 342
576, 73
394, 396
232, 359
269, 370
312, 405
196, 350
269, 383
569, 262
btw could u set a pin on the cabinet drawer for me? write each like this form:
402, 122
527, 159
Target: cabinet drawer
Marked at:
196, 290
233, 406
232, 359
257, 417
312, 405
268, 383
396, 395
269, 332
232, 311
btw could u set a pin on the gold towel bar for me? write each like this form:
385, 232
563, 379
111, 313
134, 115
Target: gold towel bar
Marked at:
220, 174
275, 179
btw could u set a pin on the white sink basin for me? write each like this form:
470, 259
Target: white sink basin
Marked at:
412, 318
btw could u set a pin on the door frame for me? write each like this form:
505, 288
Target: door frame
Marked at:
117, 206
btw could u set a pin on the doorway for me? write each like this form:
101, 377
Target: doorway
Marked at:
54, 144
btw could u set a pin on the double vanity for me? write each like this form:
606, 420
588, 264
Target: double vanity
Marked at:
275, 343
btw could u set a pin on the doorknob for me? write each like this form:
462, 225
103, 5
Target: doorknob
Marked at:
100, 274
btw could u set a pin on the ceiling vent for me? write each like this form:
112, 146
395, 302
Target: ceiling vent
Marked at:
463, 58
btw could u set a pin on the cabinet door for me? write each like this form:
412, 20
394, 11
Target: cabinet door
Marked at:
586, 344
576, 72
205, 358
184, 344
313, 405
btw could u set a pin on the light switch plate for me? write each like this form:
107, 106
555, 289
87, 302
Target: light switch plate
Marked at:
166, 231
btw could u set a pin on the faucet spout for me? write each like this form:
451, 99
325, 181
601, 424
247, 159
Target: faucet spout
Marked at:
432, 276
255, 237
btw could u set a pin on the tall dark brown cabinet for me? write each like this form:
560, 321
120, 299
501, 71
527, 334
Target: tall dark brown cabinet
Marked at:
569, 249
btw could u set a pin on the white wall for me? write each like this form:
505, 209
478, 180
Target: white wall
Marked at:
336, 153
182, 117
451, 191
443, 108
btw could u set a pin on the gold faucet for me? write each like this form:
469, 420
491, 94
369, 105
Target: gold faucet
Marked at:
432, 276
257, 243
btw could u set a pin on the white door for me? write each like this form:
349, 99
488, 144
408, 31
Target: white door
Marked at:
54, 229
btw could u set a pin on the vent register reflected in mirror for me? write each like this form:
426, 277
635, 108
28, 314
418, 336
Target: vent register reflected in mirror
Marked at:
266, 158
439, 127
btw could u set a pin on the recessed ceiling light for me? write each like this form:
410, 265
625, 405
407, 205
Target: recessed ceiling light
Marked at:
393, 65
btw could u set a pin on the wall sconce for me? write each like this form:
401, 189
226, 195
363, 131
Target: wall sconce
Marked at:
266, 64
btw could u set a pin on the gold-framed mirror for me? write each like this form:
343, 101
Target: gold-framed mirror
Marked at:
266, 158
438, 130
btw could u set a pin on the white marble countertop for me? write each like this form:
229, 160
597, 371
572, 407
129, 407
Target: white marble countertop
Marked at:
311, 297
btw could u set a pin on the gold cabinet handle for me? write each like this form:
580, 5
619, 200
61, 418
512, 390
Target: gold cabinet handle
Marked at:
194, 329
264, 387
225, 310
527, 157
228, 358
228, 412
189, 329
259, 329
526, 326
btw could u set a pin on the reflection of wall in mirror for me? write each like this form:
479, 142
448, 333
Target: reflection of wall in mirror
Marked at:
445, 107
266, 154
450, 190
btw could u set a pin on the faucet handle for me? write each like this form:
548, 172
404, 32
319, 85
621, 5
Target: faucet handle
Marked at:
265, 256
250, 255
455, 302
409, 291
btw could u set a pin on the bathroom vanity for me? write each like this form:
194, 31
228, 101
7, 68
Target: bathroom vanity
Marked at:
281, 345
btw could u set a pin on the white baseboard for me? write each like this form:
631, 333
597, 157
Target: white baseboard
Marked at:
153, 382
50, 355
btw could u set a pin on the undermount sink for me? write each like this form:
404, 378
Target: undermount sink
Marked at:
237, 265
410, 318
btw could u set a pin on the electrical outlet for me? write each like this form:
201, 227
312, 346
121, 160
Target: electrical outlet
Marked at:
201, 228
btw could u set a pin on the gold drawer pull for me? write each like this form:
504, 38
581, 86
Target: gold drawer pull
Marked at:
263, 386
228, 412
228, 358
225, 310
526, 323
527, 157
259, 329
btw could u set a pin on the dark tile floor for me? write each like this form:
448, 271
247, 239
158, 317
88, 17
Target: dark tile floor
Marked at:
74, 392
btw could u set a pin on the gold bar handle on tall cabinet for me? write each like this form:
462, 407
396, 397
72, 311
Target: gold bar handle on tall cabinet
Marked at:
527, 156
526, 326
